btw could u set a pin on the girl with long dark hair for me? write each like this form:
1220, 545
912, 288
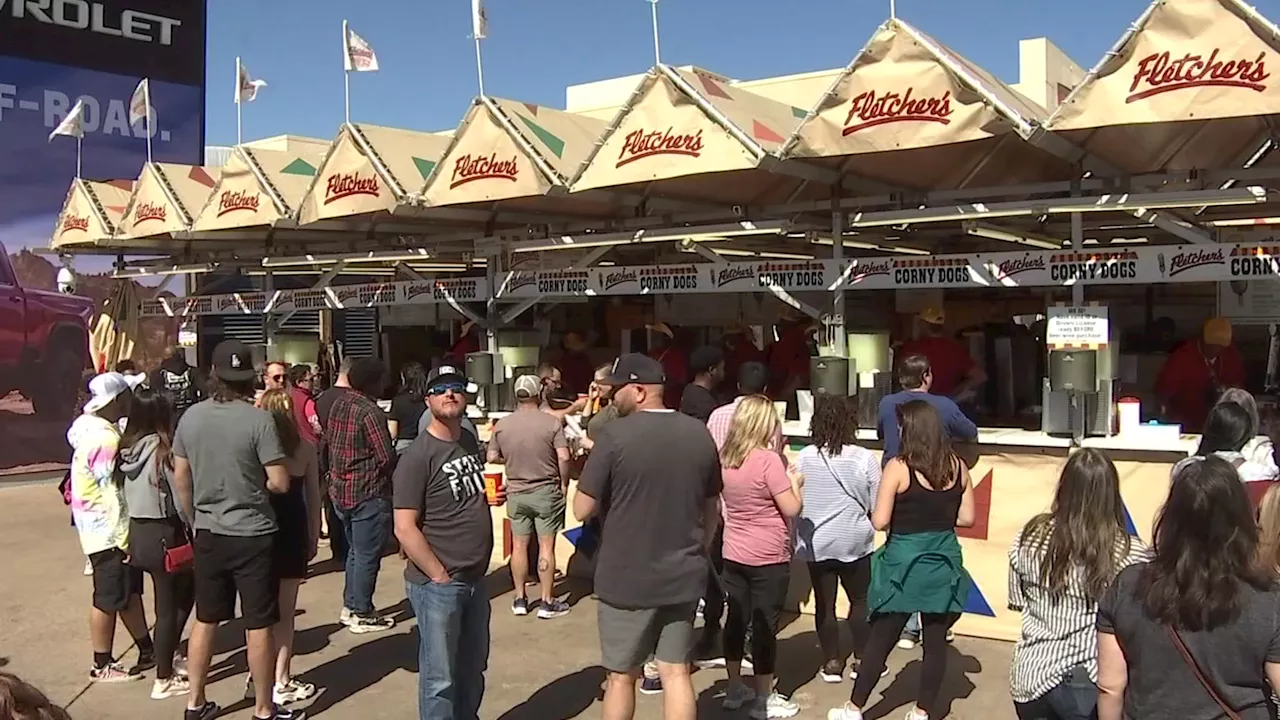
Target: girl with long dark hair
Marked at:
145, 466
1259, 448
408, 406
834, 533
296, 538
1227, 430
1060, 564
1193, 633
924, 496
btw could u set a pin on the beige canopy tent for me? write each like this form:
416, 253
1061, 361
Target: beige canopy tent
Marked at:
517, 154
1188, 86
262, 187
910, 112
371, 171
91, 213
165, 200
687, 133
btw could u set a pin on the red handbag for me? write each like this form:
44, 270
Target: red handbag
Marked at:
177, 559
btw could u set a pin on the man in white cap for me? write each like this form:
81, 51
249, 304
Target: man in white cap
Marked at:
532, 445
102, 521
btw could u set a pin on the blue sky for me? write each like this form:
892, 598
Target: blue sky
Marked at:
538, 47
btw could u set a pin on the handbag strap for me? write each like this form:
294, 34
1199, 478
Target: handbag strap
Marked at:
826, 461
1195, 670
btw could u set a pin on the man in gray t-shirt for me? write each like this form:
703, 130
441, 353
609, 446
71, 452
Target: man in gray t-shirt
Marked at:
227, 463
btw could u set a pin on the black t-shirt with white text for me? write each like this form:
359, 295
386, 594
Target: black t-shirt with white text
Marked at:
444, 482
651, 474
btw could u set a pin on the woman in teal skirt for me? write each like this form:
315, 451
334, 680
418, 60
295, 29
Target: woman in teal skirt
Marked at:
924, 495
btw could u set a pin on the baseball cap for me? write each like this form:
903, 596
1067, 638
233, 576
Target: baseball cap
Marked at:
933, 316
636, 368
528, 386
446, 374
232, 361
107, 387
1217, 331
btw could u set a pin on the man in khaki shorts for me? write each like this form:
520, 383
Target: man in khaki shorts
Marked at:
532, 445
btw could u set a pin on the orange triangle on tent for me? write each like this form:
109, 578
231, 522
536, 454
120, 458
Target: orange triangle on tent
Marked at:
533, 109
713, 88
199, 175
122, 184
118, 209
760, 131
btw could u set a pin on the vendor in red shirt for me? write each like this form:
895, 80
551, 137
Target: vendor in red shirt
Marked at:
955, 374
1197, 372
739, 348
468, 342
575, 367
788, 356
675, 365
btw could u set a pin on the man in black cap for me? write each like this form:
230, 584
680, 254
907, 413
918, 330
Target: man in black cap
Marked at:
658, 511
445, 528
227, 462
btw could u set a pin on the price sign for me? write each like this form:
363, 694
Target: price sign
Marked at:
1077, 326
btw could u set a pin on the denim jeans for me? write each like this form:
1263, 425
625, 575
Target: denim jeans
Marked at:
1075, 698
366, 527
453, 648
913, 626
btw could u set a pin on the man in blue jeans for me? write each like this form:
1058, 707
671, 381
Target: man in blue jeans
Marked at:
444, 527
361, 459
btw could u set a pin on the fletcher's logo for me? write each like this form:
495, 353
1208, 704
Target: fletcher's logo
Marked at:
614, 279
865, 269
149, 211
640, 144
870, 109
470, 168
233, 200
413, 290
75, 222
1017, 266
1185, 261
347, 184
521, 278
1158, 73
733, 274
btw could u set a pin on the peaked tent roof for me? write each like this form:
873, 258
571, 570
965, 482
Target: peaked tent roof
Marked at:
505, 149
261, 187
370, 169
166, 199
681, 123
1186, 86
91, 212
911, 112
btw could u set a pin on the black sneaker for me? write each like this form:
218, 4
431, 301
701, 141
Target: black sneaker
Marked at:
208, 712
146, 661
284, 714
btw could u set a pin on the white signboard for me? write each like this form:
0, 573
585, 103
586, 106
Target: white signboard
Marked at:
1077, 326
1250, 302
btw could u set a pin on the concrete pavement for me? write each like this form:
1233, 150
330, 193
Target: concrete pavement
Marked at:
538, 669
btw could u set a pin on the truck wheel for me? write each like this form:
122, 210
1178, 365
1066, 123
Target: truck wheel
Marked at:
55, 391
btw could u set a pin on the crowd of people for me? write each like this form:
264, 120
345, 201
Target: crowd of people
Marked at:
221, 492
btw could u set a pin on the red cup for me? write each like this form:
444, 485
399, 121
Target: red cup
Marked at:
492, 486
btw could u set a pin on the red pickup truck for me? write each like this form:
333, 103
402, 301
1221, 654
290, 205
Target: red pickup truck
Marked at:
44, 344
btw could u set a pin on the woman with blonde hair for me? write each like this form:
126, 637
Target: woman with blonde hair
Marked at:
1269, 527
759, 499
298, 521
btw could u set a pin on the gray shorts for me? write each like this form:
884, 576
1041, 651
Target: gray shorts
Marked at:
629, 637
539, 510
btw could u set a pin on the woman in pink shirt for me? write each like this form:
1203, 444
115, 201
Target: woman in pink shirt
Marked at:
759, 498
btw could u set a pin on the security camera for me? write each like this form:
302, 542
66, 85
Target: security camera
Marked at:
66, 281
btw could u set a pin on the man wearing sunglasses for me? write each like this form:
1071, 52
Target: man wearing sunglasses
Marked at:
444, 526
274, 376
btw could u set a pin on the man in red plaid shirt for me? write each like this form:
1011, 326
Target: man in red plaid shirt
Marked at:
361, 459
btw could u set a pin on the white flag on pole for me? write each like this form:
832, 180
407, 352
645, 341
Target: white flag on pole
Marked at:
247, 88
140, 103
73, 124
479, 20
359, 56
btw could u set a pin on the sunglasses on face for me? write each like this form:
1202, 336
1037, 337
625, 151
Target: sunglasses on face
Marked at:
277, 378
457, 388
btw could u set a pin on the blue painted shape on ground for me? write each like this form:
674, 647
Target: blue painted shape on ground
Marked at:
573, 535
1128, 521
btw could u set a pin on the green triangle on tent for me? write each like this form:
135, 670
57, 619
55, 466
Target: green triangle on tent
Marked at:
553, 143
299, 167
802, 114
424, 167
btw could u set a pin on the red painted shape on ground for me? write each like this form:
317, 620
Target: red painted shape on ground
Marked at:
981, 508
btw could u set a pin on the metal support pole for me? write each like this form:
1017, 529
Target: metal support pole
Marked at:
837, 302
493, 268
268, 332
1077, 243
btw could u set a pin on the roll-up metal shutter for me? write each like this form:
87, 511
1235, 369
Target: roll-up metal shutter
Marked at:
357, 328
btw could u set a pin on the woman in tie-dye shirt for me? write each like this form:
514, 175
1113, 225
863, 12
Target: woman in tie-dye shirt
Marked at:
102, 520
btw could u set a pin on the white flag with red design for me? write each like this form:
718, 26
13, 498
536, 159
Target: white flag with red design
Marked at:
359, 55
140, 103
246, 87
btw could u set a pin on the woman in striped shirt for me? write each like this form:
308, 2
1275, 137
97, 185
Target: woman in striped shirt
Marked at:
834, 534
1059, 566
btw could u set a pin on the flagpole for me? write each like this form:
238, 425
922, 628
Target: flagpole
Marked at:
893, 9
239, 92
346, 72
146, 95
79, 153
479, 67
657, 48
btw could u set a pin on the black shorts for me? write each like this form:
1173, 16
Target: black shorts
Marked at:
227, 566
114, 580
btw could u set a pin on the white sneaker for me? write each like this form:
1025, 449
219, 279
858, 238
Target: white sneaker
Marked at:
292, 691
344, 618
361, 625
844, 712
736, 696
774, 706
173, 687
88, 567
906, 644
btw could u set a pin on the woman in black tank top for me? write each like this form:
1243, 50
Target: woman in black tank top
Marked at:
924, 495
